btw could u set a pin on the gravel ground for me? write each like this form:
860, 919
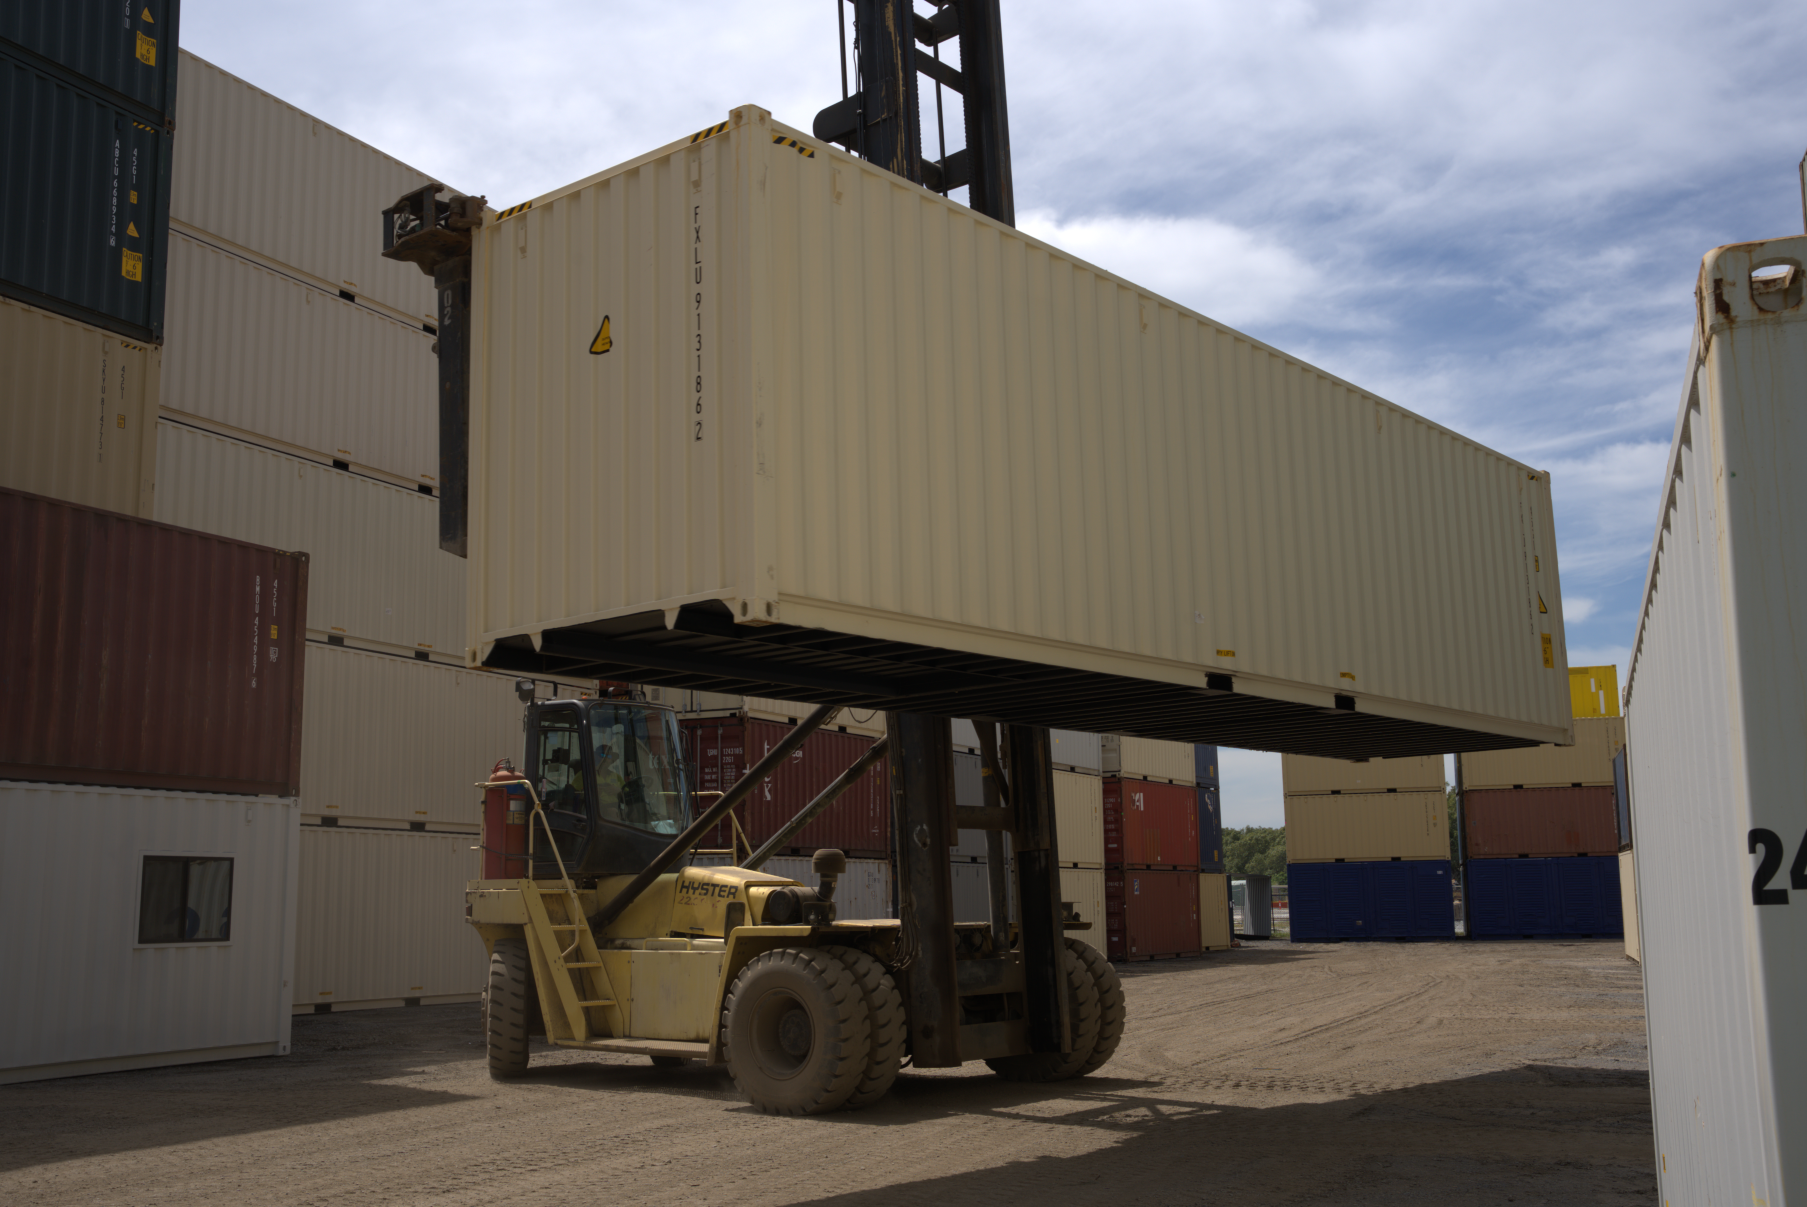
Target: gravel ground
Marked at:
1382, 1073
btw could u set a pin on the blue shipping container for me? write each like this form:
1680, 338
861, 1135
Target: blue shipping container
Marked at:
1204, 764
1210, 831
1521, 898
1394, 899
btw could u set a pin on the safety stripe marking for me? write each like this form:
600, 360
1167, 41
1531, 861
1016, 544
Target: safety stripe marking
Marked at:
700, 135
802, 150
512, 210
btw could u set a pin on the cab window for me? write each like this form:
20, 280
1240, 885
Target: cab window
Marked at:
639, 778
561, 762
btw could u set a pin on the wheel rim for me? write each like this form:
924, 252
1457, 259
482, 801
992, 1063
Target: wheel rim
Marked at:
784, 1034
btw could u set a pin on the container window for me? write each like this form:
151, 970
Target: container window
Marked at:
185, 900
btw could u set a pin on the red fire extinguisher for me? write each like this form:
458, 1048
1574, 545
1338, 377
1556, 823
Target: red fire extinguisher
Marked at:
505, 825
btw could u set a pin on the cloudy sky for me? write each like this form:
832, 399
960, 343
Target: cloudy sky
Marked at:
1490, 213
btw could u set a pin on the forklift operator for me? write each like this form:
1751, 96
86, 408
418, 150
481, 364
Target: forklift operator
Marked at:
637, 782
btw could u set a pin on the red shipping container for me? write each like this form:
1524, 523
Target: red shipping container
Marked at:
1500, 823
859, 823
1148, 824
1150, 913
142, 655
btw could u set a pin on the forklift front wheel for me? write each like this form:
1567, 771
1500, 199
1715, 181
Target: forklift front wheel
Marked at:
506, 1006
797, 1032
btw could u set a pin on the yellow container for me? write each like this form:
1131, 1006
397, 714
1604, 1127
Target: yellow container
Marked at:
1598, 741
1594, 691
1367, 825
1214, 924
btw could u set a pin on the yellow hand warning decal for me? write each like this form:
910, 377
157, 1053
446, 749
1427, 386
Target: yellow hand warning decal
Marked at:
122, 421
272, 632
131, 228
601, 343
1540, 604
131, 265
1226, 653
146, 15
1349, 675
147, 50
1549, 657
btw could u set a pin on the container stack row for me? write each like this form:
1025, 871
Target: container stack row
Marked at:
1541, 826
1367, 849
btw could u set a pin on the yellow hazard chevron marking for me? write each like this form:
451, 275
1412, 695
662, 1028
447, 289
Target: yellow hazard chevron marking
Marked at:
802, 150
602, 343
146, 14
711, 132
512, 210
131, 228
1540, 603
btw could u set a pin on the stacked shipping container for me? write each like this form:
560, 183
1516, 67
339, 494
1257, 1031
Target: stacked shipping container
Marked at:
1367, 849
1152, 848
1215, 929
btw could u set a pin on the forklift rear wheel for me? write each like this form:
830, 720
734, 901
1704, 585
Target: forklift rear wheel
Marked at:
1110, 1003
797, 1032
885, 1008
1082, 1010
506, 1006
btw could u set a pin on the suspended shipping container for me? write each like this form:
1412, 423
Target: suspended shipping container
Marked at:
1507, 822
1367, 826
1084, 888
1216, 930
144, 928
1150, 913
1588, 762
859, 823
1149, 824
1523, 898
377, 570
1395, 899
809, 473
80, 418
127, 49
146, 656
1149, 759
1716, 701
84, 201
268, 354
1302, 775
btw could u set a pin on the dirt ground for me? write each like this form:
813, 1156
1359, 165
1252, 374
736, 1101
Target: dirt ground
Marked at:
1375, 1073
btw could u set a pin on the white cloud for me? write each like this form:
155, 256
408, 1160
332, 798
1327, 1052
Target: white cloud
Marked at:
1577, 608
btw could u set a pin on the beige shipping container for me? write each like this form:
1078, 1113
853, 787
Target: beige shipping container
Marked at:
380, 919
268, 354
810, 376
1368, 825
267, 178
1598, 741
1079, 819
1628, 904
1084, 887
376, 569
1148, 759
1215, 926
391, 738
1303, 775
78, 423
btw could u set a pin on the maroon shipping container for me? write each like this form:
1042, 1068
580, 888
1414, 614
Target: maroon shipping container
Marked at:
1150, 912
859, 823
1148, 824
141, 655
1506, 822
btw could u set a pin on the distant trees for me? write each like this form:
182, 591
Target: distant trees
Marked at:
1256, 850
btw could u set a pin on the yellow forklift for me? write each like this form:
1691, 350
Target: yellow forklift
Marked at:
604, 936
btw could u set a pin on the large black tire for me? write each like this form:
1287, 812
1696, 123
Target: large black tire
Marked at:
507, 1004
1082, 1008
796, 1032
1111, 1011
889, 1029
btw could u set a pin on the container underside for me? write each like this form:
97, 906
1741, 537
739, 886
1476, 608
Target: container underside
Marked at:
705, 650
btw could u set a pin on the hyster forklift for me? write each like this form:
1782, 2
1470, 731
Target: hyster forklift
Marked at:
604, 936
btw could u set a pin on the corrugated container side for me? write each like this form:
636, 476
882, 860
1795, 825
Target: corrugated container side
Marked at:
1210, 830
98, 998
381, 918
1507, 822
84, 203
134, 57
1149, 759
1716, 703
261, 174
1084, 887
80, 418
1079, 819
386, 736
1151, 913
864, 721
858, 823
274, 356
1071, 750
1628, 903
1204, 764
1150, 824
972, 892
145, 656
1622, 800
377, 569
1367, 826
1302, 775
1511, 898
1216, 932
1396, 899
1588, 761
1137, 541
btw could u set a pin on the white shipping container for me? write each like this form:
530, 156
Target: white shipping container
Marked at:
1598, 741
1303, 775
1167, 499
972, 892
259, 173
84, 995
1076, 751
1079, 818
79, 414
1367, 825
381, 919
269, 354
1149, 759
1716, 705
1628, 903
1216, 929
1084, 887
376, 569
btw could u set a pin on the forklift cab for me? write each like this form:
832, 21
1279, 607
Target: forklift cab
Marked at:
610, 774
